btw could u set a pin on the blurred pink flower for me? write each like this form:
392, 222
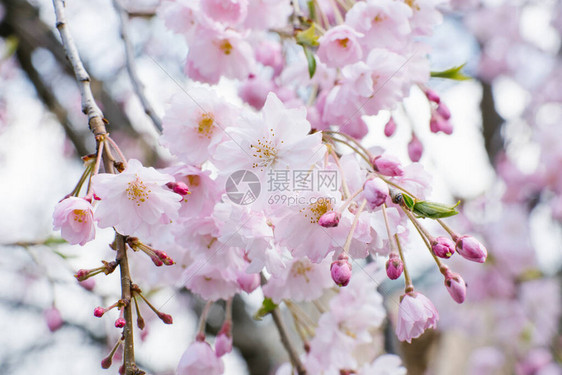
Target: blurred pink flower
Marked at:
75, 218
416, 313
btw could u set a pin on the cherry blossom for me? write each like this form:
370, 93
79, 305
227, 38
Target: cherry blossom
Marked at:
416, 313
136, 201
75, 218
199, 358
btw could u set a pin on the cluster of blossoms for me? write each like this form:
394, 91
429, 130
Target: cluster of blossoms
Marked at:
271, 194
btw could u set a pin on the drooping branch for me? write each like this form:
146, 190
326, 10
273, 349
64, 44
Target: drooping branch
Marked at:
132, 68
96, 123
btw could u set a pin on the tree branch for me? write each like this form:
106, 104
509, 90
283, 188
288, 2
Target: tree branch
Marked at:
138, 87
97, 126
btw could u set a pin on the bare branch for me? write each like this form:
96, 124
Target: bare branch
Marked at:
89, 106
138, 87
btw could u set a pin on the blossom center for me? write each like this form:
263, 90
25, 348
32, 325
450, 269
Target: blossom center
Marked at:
412, 4
300, 268
225, 47
137, 191
315, 210
79, 215
343, 42
206, 125
265, 152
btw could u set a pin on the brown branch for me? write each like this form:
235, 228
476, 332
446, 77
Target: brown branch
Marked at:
293, 355
491, 123
97, 126
132, 69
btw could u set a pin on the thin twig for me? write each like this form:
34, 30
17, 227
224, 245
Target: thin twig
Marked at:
97, 126
138, 87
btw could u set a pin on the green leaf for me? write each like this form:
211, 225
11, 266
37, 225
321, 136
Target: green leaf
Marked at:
408, 201
267, 306
10, 46
311, 61
453, 73
307, 37
434, 210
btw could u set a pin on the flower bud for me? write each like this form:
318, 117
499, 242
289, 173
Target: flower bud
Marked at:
99, 311
53, 319
443, 110
106, 362
470, 248
330, 219
223, 344
341, 270
390, 127
179, 188
387, 165
248, 282
375, 192
120, 323
88, 284
455, 286
415, 149
432, 96
438, 123
166, 318
394, 266
443, 247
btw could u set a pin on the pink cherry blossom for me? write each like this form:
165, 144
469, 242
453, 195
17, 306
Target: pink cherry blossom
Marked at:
339, 46
385, 364
416, 313
215, 52
74, 217
268, 14
192, 129
384, 23
375, 191
341, 270
230, 12
278, 138
199, 358
136, 201
211, 282
302, 280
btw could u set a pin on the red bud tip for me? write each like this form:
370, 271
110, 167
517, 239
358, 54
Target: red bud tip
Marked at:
99, 311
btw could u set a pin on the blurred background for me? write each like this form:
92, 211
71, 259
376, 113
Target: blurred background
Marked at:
503, 160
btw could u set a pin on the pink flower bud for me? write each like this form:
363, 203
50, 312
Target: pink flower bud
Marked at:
157, 262
415, 149
388, 165
432, 96
455, 286
166, 318
443, 247
53, 318
120, 323
443, 110
470, 248
81, 274
106, 362
248, 282
390, 127
341, 270
375, 191
330, 219
99, 311
439, 124
88, 284
394, 266
178, 188
223, 344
